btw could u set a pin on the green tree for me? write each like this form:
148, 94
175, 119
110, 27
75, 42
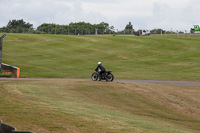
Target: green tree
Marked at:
19, 24
157, 31
128, 29
129, 26
80, 28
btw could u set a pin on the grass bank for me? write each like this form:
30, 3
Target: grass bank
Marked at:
62, 56
86, 106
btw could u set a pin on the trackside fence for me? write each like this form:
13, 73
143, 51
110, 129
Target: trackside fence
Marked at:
176, 34
87, 31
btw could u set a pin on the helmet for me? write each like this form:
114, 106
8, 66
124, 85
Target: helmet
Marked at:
99, 63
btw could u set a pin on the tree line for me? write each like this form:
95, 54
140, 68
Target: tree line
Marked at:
77, 28
20, 26
17, 26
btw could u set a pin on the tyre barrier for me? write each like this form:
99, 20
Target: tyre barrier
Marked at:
15, 70
4, 128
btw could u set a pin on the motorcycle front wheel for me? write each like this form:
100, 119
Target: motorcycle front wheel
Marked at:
109, 77
94, 76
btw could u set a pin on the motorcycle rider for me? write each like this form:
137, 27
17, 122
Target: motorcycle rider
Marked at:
101, 69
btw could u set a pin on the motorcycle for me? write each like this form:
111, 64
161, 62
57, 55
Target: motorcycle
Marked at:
108, 76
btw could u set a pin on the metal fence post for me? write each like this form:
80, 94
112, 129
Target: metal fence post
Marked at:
171, 32
177, 34
95, 31
186, 33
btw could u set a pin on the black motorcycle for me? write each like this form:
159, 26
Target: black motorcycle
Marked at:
108, 76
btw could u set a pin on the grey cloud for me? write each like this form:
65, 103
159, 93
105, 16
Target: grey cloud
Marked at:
65, 11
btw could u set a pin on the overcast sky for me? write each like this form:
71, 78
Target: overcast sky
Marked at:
143, 14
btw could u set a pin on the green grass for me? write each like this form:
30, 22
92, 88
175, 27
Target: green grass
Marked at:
62, 56
86, 106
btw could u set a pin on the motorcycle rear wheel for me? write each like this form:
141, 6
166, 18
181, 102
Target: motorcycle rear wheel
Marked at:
109, 77
95, 76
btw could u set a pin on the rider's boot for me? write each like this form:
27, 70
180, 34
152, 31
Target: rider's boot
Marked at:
100, 78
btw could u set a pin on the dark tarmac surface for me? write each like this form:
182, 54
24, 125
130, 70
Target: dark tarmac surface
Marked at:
184, 83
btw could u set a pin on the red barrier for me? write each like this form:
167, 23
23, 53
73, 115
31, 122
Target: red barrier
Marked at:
15, 70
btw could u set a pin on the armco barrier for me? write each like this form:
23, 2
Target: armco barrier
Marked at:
4, 128
13, 69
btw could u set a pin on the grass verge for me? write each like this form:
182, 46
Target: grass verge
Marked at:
61, 56
86, 106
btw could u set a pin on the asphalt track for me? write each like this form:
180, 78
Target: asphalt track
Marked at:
184, 83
